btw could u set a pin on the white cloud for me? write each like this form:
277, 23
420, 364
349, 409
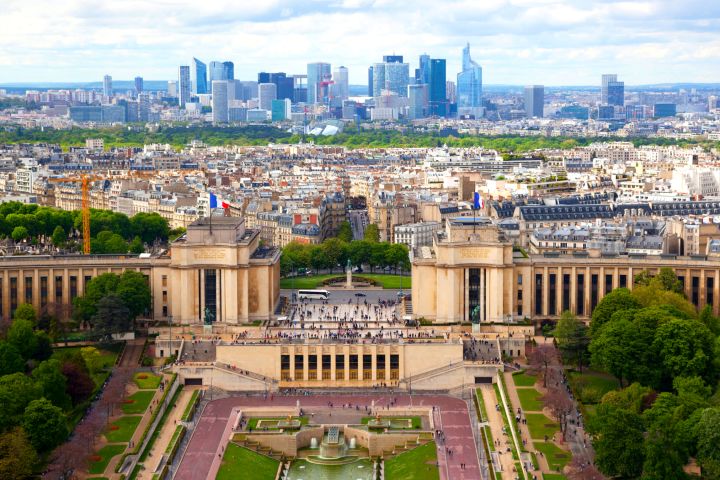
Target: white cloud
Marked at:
517, 41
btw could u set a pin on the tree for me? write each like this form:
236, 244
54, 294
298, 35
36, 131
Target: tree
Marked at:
10, 359
685, 348
84, 307
708, 439
115, 244
543, 359
134, 289
572, 338
149, 227
136, 246
49, 378
92, 359
79, 384
22, 337
359, 252
44, 424
20, 233
17, 456
710, 320
397, 255
667, 280
112, 316
372, 233
559, 403
345, 233
618, 442
335, 251
25, 311
616, 350
59, 237
617, 300
16, 392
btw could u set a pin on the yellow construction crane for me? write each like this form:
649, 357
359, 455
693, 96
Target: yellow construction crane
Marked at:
84, 181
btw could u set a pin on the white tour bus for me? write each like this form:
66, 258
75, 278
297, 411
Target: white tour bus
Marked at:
319, 294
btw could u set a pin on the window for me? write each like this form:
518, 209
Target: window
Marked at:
73, 287
580, 300
43, 291
285, 367
519, 278
299, 367
553, 295
593, 292
353, 367
394, 367
58, 288
326, 366
312, 367
28, 290
566, 292
709, 291
13, 295
367, 367
339, 367
164, 280
538, 293
380, 367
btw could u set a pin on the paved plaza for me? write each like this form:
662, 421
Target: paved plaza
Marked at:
455, 444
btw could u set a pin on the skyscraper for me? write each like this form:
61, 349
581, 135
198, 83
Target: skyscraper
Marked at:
220, 101
143, 107
138, 85
198, 77
184, 85
342, 85
285, 85
616, 93
606, 79
422, 74
267, 92
107, 86
393, 76
438, 92
417, 100
222, 71
534, 100
172, 88
318, 77
393, 58
370, 81
469, 85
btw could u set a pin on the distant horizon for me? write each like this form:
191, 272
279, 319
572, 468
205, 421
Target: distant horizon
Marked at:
517, 42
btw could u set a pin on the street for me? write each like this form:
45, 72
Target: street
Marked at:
342, 296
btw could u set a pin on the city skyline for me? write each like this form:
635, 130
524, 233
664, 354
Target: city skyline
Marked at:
516, 42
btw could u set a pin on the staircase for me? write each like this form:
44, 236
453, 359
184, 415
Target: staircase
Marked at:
408, 306
258, 448
422, 439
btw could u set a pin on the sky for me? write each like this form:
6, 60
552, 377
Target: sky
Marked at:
551, 42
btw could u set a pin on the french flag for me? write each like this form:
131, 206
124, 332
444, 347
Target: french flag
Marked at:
214, 202
478, 201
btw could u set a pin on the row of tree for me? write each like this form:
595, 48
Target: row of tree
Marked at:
112, 232
39, 392
334, 253
351, 136
667, 356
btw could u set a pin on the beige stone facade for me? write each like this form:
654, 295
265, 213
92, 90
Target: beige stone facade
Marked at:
475, 267
224, 271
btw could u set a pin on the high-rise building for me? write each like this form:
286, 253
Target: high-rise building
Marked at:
107, 86
392, 76
342, 85
370, 81
616, 93
172, 88
605, 80
184, 85
198, 77
451, 91
318, 77
281, 110
534, 100
422, 74
285, 85
220, 101
417, 100
469, 85
438, 92
222, 71
138, 85
392, 58
299, 88
143, 107
267, 92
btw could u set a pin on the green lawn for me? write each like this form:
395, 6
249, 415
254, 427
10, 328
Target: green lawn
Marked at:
523, 379
589, 387
416, 464
239, 462
416, 422
124, 433
253, 421
106, 453
189, 408
530, 399
556, 457
149, 381
384, 280
140, 401
107, 360
553, 476
540, 425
